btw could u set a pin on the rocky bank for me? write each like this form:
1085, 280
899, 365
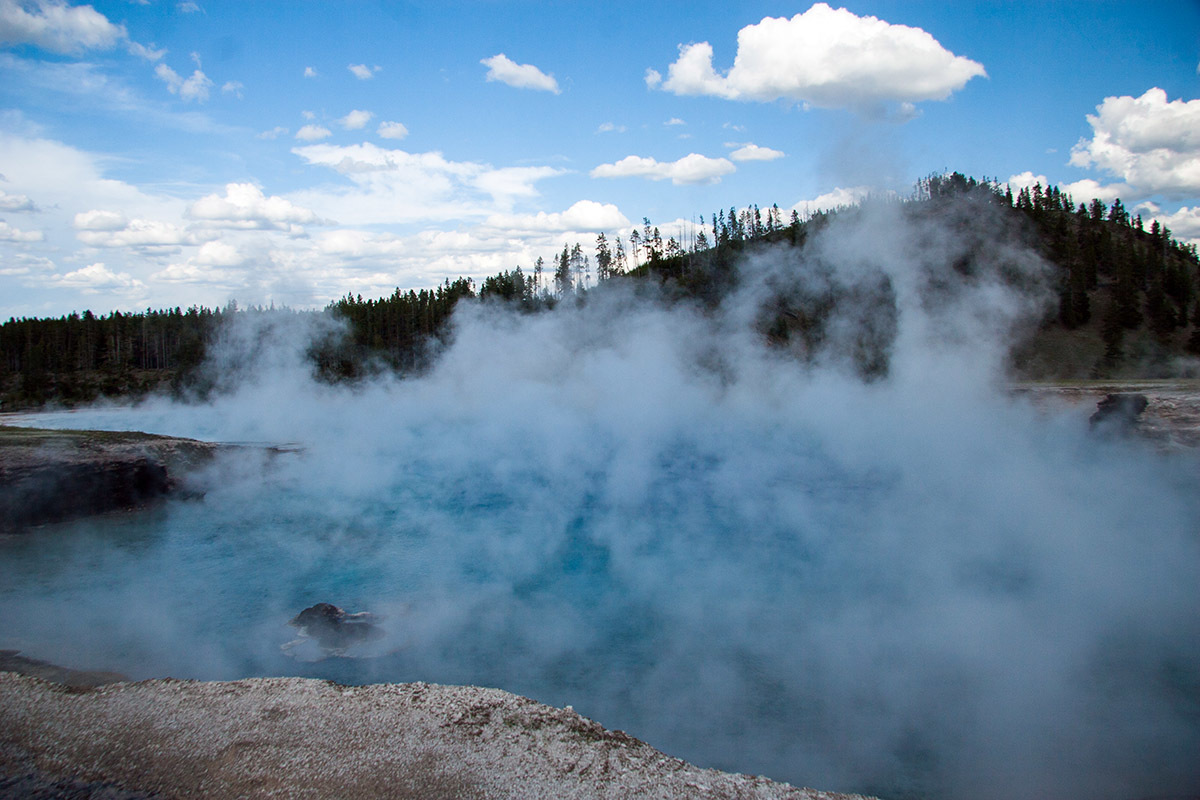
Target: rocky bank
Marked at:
55, 475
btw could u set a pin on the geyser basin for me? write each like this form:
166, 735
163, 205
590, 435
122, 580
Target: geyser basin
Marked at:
917, 586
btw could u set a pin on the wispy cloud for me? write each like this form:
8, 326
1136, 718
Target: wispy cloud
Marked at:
362, 71
523, 76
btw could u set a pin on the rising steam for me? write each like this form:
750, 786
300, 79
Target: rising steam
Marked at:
747, 555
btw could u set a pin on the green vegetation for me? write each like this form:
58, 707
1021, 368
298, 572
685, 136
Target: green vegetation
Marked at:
1128, 299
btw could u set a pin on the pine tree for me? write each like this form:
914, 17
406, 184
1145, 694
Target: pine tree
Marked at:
604, 258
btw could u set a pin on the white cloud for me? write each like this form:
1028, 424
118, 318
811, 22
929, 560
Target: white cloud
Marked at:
139, 234
234, 88
1081, 191
95, 278
653, 78
195, 87
310, 72
16, 202
833, 199
1184, 223
148, 53
611, 127
392, 130
55, 26
98, 220
311, 133
674, 121
506, 183
1086, 190
274, 133
245, 207
523, 76
219, 254
392, 185
188, 7
11, 234
362, 71
66, 180
692, 168
1150, 143
355, 120
752, 152
215, 264
827, 58
308, 115
585, 216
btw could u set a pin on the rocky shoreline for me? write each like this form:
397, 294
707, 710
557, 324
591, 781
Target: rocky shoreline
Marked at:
56, 475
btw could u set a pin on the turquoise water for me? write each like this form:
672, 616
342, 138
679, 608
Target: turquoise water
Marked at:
746, 587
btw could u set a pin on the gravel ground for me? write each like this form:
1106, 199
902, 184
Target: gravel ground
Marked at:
304, 738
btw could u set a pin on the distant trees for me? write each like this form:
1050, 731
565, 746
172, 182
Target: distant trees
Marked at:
1113, 274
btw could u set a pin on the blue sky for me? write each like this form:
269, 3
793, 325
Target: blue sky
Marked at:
173, 153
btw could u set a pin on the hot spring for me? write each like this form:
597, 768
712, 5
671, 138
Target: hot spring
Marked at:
918, 586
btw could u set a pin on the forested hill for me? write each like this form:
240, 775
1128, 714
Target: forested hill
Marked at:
1128, 300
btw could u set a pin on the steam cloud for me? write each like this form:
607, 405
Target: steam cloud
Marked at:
917, 586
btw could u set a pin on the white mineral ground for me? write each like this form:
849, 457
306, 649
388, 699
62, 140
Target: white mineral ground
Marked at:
296, 737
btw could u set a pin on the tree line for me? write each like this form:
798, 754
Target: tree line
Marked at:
1113, 274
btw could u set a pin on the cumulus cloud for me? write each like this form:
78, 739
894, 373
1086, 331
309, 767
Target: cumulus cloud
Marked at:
833, 199
1081, 191
11, 234
245, 207
692, 168
95, 278
674, 121
274, 133
360, 71
311, 133
195, 87
523, 76
752, 152
16, 202
355, 120
392, 130
310, 72
100, 220
233, 87
1184, 223
610, 127
55, 26
139, 234
1151, 144
827, 58
585, 216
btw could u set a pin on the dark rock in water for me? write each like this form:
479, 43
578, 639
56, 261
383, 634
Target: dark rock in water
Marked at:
335, 630
1118, 413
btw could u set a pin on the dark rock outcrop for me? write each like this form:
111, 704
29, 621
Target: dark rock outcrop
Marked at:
56, 475
1118, 413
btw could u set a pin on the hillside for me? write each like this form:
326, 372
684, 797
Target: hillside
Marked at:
1114, 299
